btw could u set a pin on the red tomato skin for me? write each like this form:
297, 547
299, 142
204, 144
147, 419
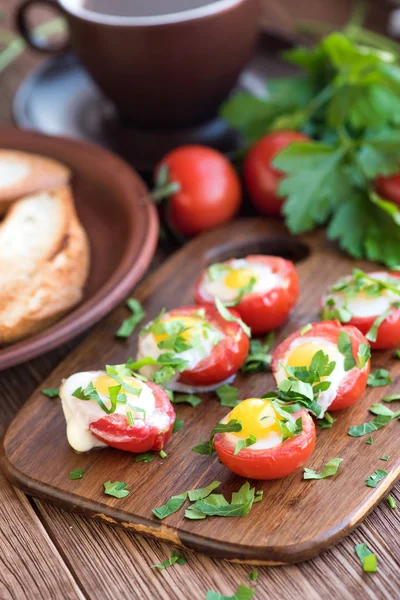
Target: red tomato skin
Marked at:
261, 178
115, 431
388, 332
226, 357
355, 382
210, 191
267, 311
389, 187
273, 463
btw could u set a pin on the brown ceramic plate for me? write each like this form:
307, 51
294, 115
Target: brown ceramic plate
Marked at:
122, 232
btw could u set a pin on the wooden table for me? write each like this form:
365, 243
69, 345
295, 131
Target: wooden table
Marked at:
48, 553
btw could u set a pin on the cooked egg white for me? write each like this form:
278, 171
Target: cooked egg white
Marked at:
258, 418
300, 354
362, 305
206, 339
79, 414
238, 275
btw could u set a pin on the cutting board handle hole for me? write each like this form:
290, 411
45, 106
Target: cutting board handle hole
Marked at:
284, 246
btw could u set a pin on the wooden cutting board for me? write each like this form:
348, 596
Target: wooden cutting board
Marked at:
296, 519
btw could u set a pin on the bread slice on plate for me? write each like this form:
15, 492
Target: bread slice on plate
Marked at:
44, 262
22, 173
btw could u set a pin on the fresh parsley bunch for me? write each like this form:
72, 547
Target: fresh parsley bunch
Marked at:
348, 101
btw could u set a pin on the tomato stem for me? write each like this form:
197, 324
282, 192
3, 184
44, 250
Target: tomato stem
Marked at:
163, 186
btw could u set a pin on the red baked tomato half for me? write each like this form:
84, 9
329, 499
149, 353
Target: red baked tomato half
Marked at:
117, 409
370, 302
265, 287
204, 348
269, 455
341, 343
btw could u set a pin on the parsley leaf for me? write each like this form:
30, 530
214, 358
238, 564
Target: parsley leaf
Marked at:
242, 593
363, 355
174, 558
326, 422
378, 378
128, 326
201, 493
328, 470
116, 489
228, 395
208, 447
215, 505
177, 426
186, 399
344, 345
77, 474
367, 558
375, 478
391, 398
51, 392
369, 440
370, 426
228, 316
372, 334
252, 576
259, 358
145, 457
172, 506
244, 443
392, 502
385, 458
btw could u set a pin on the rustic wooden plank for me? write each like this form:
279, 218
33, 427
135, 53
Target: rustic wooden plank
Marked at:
337, 504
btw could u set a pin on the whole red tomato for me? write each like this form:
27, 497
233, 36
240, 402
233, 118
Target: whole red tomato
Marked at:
389, 187
261, 178
202, 187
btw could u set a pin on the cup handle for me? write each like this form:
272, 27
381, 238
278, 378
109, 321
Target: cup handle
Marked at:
33, 39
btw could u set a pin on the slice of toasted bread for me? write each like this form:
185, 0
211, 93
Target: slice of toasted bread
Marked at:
22, 173
44, 263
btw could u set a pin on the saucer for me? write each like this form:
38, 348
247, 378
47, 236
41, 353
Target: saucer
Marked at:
59, 98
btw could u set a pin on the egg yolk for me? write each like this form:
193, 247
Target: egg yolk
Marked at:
258, 418
191, 325
104, 382
239, 278
303, 355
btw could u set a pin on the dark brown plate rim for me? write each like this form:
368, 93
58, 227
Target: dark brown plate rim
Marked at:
137, 256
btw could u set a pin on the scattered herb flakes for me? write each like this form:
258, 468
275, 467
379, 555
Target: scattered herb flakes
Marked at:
391, 398
372, 334
378, 378
242, 593
128, 326
174, 558
177, 426
363, 355
385, 458
228, 395
244, 443
367, 558
228, 316
208, 447
382, 410
252, 576
145, 457
392, 502
77, 474
201, 493
370, 426
216, 505
259, 357
186, 399
172, 506
369, 440
326, 422
373, 480
306, 328
116, 489
344, 345
163, 454
51, 392
328, 470
129, 418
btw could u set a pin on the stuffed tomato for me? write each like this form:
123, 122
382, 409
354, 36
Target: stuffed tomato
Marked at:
263, 289
266, 447
370, 302
345, 360
193, 348
119, 411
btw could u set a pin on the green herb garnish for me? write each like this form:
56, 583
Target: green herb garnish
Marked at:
242, 593
344, 345
186, 399
306, 328
372, 334
377, 476
252, 576
326, 422
177, 426
369, 440
145, 457
367, 558
174, 558
328, 470
392, 502
216, 505
216, 270
385, 458
129, 418
392, 398
163, 454
201, 493
77, 474
259, 358
228, 395
51, 392
172, 506
128, 326
379, 378
244, 443
208, 447
116, 489
228, 316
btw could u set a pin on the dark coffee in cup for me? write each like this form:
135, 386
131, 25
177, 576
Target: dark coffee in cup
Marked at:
141, 8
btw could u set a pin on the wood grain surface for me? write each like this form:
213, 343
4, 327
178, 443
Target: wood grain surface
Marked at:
275, 531
68, 543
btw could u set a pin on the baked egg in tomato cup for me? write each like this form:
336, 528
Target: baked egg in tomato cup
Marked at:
120, 411
193, 349
370, 302
263, 289
266, 447
347, 351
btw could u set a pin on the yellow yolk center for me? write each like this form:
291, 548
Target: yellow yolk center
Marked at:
303, 355
258, 418
104, 382
190, 323
237, 279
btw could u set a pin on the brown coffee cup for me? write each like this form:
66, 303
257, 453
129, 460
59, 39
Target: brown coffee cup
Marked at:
161, 71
